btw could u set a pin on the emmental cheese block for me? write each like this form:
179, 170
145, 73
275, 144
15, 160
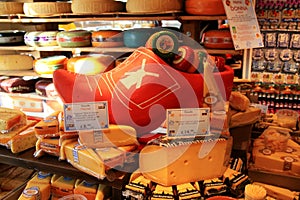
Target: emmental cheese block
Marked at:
114, 136
179, 161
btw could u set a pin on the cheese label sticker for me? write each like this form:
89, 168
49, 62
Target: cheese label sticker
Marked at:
86, 116
188, 122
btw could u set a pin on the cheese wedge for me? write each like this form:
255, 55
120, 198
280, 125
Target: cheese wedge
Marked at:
23, 141
62, 186
278, 192
114, 136
37, 188
87, 189
48, 127
10, 118
181, 161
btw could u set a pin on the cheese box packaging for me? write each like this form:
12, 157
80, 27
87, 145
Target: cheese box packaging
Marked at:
37, 188
62, 186
138, 186
85, 188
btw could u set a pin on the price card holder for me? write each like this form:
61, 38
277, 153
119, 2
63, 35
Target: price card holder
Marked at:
188, 122
86, 116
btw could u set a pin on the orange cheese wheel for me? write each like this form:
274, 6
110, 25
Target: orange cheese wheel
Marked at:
218, 39
91, 64
107, 38
204, 7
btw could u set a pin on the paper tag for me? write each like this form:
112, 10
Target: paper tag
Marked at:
189, 122
86, 116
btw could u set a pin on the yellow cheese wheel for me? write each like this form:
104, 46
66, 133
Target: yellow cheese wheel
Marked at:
96, 6
16, 62
153, 6
8, 8
46, 8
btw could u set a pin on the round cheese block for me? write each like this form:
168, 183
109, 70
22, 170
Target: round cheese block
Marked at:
163, 43
41, 38
74, 38
107, 38
153, 6
11, 37
9, 8
204, 7
218, 39
134, 38
96, 6
49, 64
46, 8
16, 62
91, 64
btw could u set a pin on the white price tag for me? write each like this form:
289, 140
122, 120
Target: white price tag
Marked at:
86, 116
188, 122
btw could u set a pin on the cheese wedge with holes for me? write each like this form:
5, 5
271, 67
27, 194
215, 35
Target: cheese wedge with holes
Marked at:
179, 161
114, 136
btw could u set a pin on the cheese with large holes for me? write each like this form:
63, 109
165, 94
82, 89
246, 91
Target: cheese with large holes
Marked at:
10, 118
40, 38
115, 135
46, 8
9, 8
180, 161
286, 162
107, 38
204, 7
153, 6
38, 187
16, 62
96, 6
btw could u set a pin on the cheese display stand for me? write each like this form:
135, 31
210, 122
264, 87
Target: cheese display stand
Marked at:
64, 64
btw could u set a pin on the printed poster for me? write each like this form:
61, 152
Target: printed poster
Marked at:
243, 24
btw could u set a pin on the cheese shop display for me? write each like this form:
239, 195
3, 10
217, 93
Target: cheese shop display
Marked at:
40, 38
11, 37
16, 62
153, 6
107, 38
74, 38
96, 6
46, 8
10, 8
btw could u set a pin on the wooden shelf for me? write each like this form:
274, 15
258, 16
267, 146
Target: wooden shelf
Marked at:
51, 164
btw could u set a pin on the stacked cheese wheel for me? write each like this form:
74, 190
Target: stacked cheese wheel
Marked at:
12, 37
16, 62
96, 6
41, 38
9, 8
74, 38
153, 6
46, 8
107, 38
49, 64
204, 7
218, 39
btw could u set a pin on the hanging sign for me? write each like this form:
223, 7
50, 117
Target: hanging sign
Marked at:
243, 24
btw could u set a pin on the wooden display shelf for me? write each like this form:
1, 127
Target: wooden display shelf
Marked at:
51, 164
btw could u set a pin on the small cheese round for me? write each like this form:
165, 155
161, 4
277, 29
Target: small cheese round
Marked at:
74, 38
255, 192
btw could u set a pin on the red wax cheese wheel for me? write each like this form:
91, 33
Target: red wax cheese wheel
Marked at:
163, 43
88, 64
204, 7
96, 6
48, 65
218, 39
153, 6
107, 38
184, 58
75, 38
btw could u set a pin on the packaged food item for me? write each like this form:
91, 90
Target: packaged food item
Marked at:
287, 118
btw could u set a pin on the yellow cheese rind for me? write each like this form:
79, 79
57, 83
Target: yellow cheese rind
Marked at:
87, 189
16, 62
96, 6
46, 8
114, 136
9, 8
23, 141
185, 163
48, 127
153, 6
61, 187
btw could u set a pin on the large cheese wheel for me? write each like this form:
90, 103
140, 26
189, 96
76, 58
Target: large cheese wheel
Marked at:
12, 37
16, 62
46, 8
218, 39
90, 64
96, 6
179, 161
107, 38
137, 37
153, 6
204, 7
9, 8
74, 38
41, 38
49, 64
